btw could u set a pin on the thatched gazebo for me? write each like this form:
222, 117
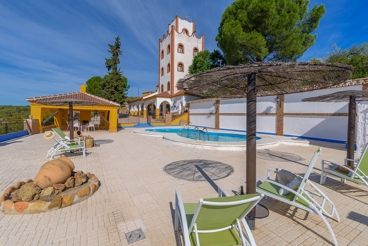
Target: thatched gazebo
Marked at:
343, 96
262, 79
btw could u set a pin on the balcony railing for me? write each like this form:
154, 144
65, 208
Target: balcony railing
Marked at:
11, 126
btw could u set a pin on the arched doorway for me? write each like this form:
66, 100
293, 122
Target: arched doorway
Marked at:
164, 108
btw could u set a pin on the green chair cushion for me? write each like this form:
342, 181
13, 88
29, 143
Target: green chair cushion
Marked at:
268, 187
228, 237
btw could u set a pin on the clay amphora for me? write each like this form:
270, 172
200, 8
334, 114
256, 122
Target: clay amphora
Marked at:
54, 172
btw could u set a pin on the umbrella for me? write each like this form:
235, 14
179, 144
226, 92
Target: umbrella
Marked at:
262, 79
67, 102
342, 96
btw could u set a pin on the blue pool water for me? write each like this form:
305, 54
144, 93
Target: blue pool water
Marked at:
210, 136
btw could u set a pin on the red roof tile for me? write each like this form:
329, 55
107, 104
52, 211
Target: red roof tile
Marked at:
73, 95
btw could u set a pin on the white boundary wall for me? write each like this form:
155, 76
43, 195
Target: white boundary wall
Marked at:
302, 119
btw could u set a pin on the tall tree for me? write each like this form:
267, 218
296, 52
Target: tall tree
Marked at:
114, 85
267, 30
201, 62
94, 86
356, 55
217, 59
205, 60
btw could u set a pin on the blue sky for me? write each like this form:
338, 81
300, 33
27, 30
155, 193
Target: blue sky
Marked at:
52, 47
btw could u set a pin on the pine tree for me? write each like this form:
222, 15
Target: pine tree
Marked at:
267, 30
114, 85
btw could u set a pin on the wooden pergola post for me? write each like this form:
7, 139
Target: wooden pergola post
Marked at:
71, 125
251, 143
351, 130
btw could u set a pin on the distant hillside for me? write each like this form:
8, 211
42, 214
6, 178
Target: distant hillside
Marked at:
8, 111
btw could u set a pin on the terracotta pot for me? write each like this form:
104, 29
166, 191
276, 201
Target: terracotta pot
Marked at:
54, 172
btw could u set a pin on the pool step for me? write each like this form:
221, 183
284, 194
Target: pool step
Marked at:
142, 125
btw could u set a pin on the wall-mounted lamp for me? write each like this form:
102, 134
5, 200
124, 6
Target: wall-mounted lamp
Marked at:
278, 101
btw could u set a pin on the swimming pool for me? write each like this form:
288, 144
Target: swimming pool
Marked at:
202, 135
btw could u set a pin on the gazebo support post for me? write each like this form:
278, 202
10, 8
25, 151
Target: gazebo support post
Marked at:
71, 126
251, 143
351, 130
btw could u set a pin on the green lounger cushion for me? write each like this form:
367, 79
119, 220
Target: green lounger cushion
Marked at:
228, 237
212, 217
268, 187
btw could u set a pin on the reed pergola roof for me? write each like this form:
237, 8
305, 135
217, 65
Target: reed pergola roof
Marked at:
272, 79
340, 96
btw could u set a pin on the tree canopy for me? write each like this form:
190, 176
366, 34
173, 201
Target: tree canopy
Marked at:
114, 85
205, 60
201, 62
356, 55
94, 86
267, 30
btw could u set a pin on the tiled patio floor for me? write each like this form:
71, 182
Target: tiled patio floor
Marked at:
136, 192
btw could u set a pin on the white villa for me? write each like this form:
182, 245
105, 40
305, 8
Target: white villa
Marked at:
176, 51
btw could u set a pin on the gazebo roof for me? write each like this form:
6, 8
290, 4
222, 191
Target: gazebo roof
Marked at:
340, 96
79, 98
272, 79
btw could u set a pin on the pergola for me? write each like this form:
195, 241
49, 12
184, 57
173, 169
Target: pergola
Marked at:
342, 96
262, 79
60, 104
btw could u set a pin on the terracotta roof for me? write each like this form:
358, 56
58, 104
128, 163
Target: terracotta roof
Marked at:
73, 95
135, 99
179, 93
164, 94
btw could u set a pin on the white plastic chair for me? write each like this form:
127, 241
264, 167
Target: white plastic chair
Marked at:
90, 126
77, 125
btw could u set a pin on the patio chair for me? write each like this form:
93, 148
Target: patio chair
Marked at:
69, 146
298, 196
62, 136
77, 126
359, 175
60, 133
215, 221
90, 126
65, 144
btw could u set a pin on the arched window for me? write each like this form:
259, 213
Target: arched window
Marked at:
180, 67
185, 31
162, 54
181, 48
195, 51
162, 88
168, 86
168, 68
168, 49
162, 71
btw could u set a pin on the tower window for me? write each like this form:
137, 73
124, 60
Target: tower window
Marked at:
195, 51
162, 54
168, 68
162, 71
162, 88
185, 31
180, 67
168, 49
181, 48
168, 86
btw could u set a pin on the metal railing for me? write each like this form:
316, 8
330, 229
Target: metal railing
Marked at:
11, 126
203, 133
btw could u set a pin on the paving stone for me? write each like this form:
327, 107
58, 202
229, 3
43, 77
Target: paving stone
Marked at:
135, 188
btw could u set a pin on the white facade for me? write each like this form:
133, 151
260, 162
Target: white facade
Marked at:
314, 120
176, 52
